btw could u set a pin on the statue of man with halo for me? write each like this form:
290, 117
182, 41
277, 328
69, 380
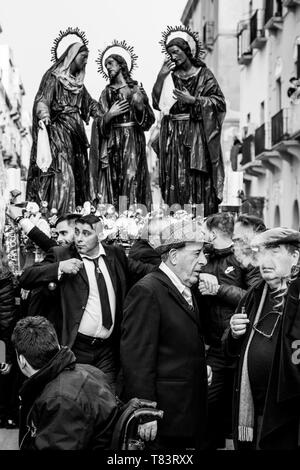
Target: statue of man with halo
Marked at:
191, 169
118, 162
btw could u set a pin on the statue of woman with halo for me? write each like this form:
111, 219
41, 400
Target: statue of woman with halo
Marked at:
118, 162
61, 106
193, 106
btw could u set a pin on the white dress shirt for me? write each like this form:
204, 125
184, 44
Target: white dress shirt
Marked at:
184, 290
91, 322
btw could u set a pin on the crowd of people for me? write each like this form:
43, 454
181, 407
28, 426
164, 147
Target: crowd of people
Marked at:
196, 317
200, 317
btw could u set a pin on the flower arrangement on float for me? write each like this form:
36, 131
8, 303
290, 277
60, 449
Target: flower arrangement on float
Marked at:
122, 229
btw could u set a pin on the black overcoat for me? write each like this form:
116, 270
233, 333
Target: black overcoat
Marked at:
281, 417
163, 356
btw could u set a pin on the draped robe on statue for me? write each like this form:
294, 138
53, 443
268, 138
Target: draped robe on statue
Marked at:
65, 100
118, 162
191, 168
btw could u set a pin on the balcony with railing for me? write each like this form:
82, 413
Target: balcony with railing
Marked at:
270, 159
249, 165
279, 140
209, 35
273, 15
279, 127
257, 32
244, 51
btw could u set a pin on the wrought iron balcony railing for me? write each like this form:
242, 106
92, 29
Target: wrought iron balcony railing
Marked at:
247, 150
279, 126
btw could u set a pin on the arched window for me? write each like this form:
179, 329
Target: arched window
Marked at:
277, 217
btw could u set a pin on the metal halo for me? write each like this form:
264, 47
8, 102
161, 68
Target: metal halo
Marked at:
199, 51
123, 45
62, 34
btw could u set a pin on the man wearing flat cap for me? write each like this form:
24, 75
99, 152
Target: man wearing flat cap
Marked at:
263, 333
162, 346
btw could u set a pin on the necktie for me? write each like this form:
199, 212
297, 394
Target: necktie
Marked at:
188, 296
103, 294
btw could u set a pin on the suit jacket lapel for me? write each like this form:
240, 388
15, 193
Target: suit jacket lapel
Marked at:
110, 264
174, 292
82, 271
83, 274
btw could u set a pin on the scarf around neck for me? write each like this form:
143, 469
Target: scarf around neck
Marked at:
246, 405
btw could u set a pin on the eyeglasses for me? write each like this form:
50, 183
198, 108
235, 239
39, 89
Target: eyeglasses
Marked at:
267, 335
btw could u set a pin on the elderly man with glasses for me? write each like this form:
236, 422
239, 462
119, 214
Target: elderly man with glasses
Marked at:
263, 333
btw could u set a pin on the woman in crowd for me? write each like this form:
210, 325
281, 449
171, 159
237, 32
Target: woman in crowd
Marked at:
264, 334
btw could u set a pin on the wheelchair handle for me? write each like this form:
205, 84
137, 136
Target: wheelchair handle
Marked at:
157, 414
138, 414
147, 404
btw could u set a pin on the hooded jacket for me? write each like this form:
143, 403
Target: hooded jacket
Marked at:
66, 406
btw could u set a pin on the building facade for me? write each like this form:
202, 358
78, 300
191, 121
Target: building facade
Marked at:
15, 128
215, 21
268, 52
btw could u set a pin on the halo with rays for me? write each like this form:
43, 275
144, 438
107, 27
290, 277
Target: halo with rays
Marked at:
120, 47
199, 51
62, 34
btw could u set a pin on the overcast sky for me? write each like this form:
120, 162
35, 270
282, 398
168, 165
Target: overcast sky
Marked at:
30, 26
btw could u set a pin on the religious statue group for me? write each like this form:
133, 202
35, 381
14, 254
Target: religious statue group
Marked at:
114, 162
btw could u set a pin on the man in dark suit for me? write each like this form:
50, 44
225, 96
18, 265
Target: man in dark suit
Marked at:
64, 227
88, 283
162, 346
